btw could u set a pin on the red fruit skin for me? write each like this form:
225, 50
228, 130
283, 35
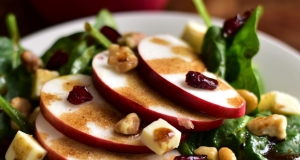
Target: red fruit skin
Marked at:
184, 98
91, 140
127, 106
56, 11
50, 153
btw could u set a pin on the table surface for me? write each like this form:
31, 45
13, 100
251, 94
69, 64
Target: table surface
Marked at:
281, 19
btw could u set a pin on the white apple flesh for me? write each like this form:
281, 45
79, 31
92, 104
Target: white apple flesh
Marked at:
129, 93
61, 147
164, 61
91, 122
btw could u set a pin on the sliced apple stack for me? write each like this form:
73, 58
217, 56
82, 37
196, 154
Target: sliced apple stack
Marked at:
164, 61
129, 93
91, 122
60, 146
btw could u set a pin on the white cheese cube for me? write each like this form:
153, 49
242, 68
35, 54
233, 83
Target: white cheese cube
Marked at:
193, 34
279, 103
40, 78
160, 137
25, 147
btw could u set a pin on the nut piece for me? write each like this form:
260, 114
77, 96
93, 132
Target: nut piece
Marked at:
131, 39
250, 98
31, 61
23, 106
128, 125
273, 126
279, 103
226, 154
122, 58
210, 152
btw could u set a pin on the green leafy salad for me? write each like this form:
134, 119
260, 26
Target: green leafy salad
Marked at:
226, 51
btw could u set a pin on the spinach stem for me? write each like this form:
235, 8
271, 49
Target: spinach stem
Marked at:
97, 35
12, 27
202, 11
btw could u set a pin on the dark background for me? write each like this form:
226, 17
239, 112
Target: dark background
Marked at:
281, 19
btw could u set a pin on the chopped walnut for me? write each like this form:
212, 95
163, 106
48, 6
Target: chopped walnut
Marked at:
129, 125
131, 39
31, 61
210, 152
226, 154
122, 58
23, 106
273, 126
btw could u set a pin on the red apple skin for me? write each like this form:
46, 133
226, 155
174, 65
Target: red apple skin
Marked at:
53, 155
127, 106
184, 98
56, 11
89, 139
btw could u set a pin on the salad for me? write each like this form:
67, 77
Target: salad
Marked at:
226, 51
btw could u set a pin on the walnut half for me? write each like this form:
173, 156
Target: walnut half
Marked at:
129, 125
122, 58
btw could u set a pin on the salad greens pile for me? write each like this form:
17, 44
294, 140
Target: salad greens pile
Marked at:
228, 57
234, 135
16, 81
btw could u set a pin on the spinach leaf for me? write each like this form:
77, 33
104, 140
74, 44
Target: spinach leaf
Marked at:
254, 147
239, 55
76, 52
190, 144
81, 63
234, 135
18, 83
65, 44
214, 50
6, 50
291, 144
105, 18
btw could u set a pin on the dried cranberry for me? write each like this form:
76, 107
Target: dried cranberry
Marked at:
110, 33
198, 80
201, 157
79, 95
231, 26
57, 60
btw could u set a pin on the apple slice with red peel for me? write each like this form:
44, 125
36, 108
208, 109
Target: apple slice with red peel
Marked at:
164, 61
91, 122
60, 146
129, 93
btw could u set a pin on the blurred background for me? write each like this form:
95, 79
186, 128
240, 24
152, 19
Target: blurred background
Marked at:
281, 19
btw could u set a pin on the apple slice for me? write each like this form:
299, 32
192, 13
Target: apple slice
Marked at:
92, 122
164, 61
129, 93
61, 147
